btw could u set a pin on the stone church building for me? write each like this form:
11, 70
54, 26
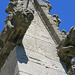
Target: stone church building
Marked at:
31, 42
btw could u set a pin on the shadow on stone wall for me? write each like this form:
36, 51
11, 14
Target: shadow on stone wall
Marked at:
21, 55
63, 65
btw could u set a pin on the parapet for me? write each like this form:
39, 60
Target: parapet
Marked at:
51, 22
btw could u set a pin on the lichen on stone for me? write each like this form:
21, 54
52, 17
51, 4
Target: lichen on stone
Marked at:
14, 30
66, 48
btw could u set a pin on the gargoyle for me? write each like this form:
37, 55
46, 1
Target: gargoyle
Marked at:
13, 32
66, 48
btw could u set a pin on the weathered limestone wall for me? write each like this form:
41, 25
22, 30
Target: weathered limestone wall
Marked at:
39, 54
17, 22
10, 67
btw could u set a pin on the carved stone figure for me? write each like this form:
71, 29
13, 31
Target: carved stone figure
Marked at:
16, 25
66, 48
56, 19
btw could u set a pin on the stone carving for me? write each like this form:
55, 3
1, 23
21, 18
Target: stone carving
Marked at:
17, 23
46, 6
49, 7
56, 19
63, 32
66, 48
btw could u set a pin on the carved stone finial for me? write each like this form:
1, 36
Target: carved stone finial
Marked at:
18, 20
63, 32
56, 19
55, 15
47, 1
48, 5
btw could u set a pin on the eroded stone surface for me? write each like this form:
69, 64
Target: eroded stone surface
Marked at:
39, 55
10, 67
17, 22
66, 48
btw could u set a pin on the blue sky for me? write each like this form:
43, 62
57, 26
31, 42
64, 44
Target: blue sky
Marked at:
3, 5
65, 9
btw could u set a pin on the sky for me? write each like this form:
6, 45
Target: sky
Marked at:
3, 6
65, 9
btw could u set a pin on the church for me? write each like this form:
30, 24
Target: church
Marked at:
31, 42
